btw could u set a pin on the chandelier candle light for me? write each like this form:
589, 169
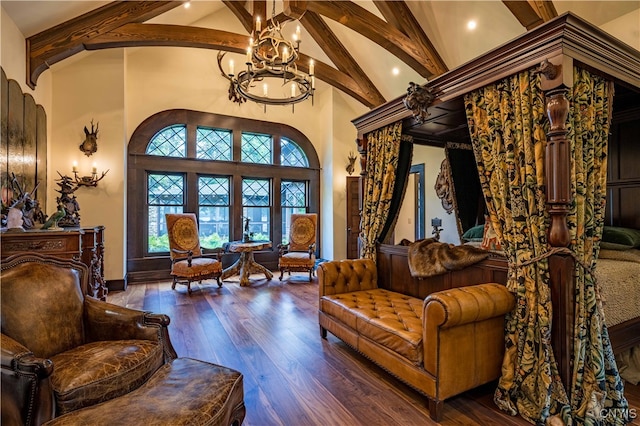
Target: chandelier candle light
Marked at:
270, 56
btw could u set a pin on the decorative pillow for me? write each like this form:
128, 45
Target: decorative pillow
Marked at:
490, 238
618, 238
474, 234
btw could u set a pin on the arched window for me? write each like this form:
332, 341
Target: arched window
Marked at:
222, 168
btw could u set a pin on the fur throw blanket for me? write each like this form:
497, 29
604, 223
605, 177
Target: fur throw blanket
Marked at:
429, 257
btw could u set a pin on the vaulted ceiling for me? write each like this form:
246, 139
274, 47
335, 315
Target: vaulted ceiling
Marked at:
351, 40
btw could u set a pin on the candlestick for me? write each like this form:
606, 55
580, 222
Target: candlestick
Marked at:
258, 24
293, 90
94, 169
311, 67
297, 36
264, 89
285, 54
249, 53
231, 67
75, 166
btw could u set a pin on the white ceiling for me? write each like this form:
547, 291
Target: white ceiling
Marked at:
444, 22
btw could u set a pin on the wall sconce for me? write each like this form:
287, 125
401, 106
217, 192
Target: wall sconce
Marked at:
436, 223
87, 180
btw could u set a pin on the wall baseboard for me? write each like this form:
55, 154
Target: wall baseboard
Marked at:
117, 285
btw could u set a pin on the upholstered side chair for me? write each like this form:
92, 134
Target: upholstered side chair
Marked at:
188, 260
299, 254
63, 350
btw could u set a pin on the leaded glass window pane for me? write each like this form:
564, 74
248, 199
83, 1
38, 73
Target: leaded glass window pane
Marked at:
294, 200
255, 192
165, 189
169, 142
256, 206
165, 194
291, 154
213, 144
213, 216
257, 148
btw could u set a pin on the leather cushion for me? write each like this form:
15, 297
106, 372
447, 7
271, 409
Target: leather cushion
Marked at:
200, 267
183, 392
391, 319
298, 259
99, 371
42, 307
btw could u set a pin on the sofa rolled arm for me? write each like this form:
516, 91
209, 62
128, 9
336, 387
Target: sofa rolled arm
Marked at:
106, 321
344, 276
462, 305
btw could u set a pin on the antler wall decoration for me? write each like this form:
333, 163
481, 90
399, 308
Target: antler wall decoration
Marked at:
90, 143
352, 161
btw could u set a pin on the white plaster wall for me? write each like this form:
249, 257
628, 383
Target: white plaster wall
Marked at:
93, 89
432, 158
626, 28
12, 59
343, 142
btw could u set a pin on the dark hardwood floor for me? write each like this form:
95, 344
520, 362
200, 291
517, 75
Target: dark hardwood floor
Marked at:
269, 331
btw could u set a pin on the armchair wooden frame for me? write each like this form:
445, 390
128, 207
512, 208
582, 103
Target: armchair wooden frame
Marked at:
189, 261
298, 255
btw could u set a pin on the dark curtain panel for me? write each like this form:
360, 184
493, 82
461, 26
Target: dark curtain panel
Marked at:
469, 203
404, 168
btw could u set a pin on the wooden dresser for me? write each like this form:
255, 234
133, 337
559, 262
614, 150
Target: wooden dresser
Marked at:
85, 244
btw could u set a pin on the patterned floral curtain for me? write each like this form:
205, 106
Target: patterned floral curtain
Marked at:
597, 391
508, 128
383, 147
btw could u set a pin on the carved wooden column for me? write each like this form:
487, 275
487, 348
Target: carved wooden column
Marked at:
556, 82
557, 157
362, 150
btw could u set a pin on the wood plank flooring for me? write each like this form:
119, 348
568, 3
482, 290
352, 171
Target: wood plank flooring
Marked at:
269, 331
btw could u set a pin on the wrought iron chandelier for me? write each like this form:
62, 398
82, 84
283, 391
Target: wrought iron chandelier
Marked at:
270, 57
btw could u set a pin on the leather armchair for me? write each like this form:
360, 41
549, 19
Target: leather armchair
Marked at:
63, 350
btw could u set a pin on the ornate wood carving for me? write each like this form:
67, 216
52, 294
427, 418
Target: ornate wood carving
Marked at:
418, 100
444, 187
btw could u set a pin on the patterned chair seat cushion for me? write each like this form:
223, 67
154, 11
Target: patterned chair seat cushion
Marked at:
391, 319
99, 371
200, 267
298, 259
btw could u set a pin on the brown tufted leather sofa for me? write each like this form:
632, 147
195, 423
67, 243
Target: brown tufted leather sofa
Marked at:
63, 350
448, 343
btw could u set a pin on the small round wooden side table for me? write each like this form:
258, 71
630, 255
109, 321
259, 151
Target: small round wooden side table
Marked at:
246, 264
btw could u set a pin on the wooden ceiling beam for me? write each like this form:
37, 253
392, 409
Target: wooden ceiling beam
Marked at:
294, 8
240, 11
62, 41
338, 54
531, 13
135, 35
377, 30
545, 9
399, 15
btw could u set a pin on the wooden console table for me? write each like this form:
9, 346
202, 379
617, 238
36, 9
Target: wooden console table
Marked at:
246, 264
84, 244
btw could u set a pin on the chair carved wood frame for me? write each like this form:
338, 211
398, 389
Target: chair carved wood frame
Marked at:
299, 254
189, 261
